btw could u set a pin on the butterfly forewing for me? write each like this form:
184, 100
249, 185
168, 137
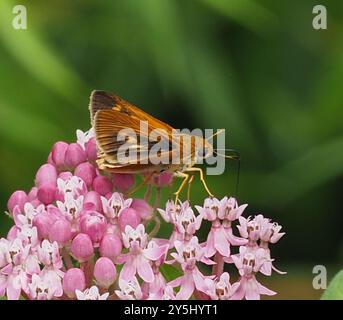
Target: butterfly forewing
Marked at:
116, 123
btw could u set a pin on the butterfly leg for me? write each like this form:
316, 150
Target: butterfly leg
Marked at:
189, 187
142, 184
202, 179
185, 177
158, 198
147, 193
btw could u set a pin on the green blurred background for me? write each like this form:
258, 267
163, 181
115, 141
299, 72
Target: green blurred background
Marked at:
256, 68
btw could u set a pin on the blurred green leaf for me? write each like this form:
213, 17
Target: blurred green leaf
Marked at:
322, 164
170, 272
335, 289
249, 13
36, 56
24, 130
328, 96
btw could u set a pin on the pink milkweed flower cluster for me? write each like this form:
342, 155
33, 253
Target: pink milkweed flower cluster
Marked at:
76, 235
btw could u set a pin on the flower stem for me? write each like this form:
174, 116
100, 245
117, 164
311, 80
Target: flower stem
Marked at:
87, 268
67, 260
200, 295
219, 267
156, 228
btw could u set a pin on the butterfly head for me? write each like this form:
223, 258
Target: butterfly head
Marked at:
203, 150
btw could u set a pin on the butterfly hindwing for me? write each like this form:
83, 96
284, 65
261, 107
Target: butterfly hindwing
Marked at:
113, 129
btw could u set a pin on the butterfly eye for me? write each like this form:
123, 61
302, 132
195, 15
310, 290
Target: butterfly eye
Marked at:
203, 153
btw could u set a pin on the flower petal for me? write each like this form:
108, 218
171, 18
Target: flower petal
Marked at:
238, 290
235, 241
264, 290
155, 252
164, 215
252, 291
176, 282
266, 268
207, 261
144, 270
199, 281
13, 288
187, 288
122, 258
129, 270
210, 249
221, 243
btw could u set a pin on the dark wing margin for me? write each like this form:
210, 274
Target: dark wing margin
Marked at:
100, 100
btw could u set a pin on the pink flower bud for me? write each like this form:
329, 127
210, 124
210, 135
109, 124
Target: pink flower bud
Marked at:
142, 207
74, 155
12, 233
110, 246
91, 151
86, 172
47, 194
130, 217
33, 194
94, 225
74, 279
105, 272
58, 153
102, 185
92, 202
33, 197
60, 232
163, 179
123, 182
82, 247
18, 198
46, 174
49, 160
35, 203
43, 223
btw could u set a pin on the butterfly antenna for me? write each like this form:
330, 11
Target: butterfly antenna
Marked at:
220, 131
235, 156
238, 174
